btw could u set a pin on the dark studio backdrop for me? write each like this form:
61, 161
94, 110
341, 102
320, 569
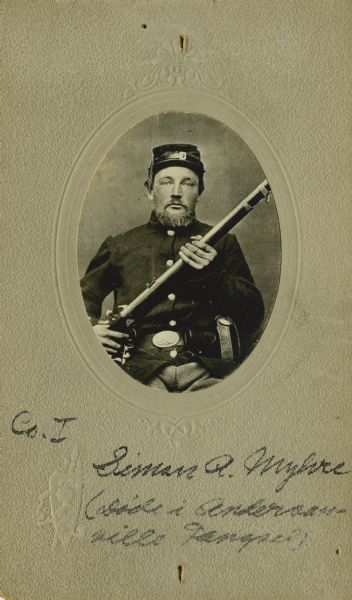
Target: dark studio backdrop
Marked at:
116, 199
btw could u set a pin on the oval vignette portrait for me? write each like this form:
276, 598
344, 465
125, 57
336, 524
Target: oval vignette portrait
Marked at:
178, 275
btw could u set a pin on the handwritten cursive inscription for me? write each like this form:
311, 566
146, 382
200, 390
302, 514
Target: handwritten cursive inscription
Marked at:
215, 508
198, 533
24, 424
193, 522
133, 537
218, 507
257, 462
260, 463
114, 467
117, 507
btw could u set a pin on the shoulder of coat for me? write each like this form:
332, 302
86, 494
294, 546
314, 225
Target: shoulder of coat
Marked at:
130, 233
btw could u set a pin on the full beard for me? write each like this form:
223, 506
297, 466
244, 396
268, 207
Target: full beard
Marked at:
164, 218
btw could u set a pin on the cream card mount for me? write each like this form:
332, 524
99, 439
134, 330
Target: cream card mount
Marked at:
176, 89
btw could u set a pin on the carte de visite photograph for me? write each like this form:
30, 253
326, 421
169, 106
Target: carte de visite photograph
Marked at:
179, 252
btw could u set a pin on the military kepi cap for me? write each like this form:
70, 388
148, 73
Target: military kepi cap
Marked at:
176, 155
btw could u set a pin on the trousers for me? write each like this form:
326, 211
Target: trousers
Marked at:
184, 378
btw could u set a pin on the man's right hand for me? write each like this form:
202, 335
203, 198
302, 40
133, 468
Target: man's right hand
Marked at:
111, 340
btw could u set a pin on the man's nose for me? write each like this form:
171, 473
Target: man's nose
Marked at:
176, 191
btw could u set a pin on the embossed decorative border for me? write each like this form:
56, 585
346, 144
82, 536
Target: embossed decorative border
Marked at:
61, 504
178, 431
172, 68
176, 83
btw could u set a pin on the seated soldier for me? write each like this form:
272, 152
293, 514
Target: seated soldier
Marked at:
202, 323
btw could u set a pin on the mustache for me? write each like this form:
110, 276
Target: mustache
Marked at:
176, 203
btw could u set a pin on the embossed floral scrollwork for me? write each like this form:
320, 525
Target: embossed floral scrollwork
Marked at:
60, 505
178, 431
172, 68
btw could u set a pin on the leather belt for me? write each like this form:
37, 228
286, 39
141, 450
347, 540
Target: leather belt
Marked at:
194, 340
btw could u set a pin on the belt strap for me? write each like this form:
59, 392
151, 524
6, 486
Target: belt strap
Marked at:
223, 325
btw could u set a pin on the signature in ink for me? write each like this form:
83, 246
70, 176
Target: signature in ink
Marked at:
259, 462
114, 467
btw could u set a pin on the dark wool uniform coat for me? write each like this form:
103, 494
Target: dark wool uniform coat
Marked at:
190, 300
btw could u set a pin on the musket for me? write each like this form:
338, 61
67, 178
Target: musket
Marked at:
124, 318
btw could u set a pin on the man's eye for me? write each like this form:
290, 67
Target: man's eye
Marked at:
189, 183
165, 182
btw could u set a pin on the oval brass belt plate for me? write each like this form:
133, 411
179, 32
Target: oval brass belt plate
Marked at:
165, 339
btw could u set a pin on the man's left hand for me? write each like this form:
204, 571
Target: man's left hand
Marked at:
197, 254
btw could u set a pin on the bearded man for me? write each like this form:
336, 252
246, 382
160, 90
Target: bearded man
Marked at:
204, 321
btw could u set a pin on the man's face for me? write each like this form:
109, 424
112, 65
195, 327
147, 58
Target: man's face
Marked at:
175, 191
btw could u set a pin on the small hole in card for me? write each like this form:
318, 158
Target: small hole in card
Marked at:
180, 573
183, 43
